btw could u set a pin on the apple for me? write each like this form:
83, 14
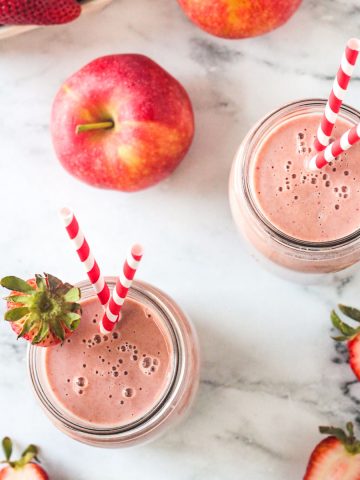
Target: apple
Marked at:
239, 18
122, 122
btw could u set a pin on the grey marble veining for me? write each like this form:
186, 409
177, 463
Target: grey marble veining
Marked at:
271, 374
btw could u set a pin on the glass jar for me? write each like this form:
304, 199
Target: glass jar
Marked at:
173, 404
296, 259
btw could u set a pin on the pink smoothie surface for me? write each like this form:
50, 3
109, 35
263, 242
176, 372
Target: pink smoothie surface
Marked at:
115, 379
309, 206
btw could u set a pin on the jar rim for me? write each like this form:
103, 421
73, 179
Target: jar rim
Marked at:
153, 295
241, 178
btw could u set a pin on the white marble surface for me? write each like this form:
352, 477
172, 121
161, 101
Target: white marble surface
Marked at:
270, 372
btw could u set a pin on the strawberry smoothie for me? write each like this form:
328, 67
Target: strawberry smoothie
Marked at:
112, 379
307, 222
315, 207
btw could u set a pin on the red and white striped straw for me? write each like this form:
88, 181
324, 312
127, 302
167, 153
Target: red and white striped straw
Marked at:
336, 148
337, 94
123, 283
86, 257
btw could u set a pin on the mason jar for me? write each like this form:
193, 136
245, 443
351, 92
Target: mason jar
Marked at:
175, 400
296, 259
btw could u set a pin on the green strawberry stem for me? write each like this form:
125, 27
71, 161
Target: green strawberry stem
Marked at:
86, 127
347, 438
347, 331
27, 456
51, 308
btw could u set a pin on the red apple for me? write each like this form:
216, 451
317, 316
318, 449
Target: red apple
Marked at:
239, 18
122, 122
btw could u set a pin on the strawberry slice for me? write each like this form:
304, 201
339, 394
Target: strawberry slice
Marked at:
26, 468
38, 12
336, 457
349, 334
44, 310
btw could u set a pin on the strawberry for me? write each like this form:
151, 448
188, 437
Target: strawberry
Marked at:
43, 310
336, 457
38, 12
349, 334
25, 468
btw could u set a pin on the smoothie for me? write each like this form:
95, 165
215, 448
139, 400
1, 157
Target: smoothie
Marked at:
115, 379
309, 206
307, 223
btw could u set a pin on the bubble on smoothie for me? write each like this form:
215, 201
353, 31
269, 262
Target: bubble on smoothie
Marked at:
146, 362
128, 392
79, 384
81, 381
300, 143
97, 338
149, 365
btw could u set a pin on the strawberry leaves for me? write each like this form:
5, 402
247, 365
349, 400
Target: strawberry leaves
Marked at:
30, 453
17, 284
7, 447
347, 438
24, 299
44, 310
27, 456
16, 314
57, 329
26, 327
350, 312
72, 320
40, 282
348, 332
72, 295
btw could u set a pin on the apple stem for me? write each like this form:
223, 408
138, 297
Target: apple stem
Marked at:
86, 127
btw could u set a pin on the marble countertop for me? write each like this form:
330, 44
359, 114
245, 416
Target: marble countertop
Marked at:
270, 372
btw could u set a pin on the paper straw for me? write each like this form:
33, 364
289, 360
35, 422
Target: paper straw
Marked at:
337, 94
123, 283
336, 148
86, 257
